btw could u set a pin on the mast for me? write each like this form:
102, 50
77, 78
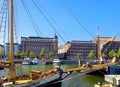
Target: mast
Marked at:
98, 47
11, 55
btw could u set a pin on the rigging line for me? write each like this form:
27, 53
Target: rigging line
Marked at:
5, 26
2, 7
74, 16
77, 16
14, 20
77, 74
45, 10
111, 42
30, 17
3, 20
2, 13
101, 72
15, 31
47, 20
8, 1
69, 78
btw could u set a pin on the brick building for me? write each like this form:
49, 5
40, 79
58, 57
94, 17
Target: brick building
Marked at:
75, 47
71, 49
36, 44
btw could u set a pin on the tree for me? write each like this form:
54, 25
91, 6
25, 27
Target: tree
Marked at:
8, 53
112, 53
18, 53
42, 53
22, 54
79, 54
91, 54
104, 55
1, 53
27, 53
118, 53
51, 54
31, 54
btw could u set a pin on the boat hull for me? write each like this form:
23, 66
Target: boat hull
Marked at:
25, 63
34, 63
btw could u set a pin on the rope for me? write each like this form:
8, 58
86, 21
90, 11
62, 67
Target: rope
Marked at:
3, 21
51, 18
14, 26
68, 8
47, 20
31, 18
78, 74
66, 79
101, 72
2, 13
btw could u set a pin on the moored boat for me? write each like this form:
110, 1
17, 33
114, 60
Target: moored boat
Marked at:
26, 61
36, 78
34, 61
56, 61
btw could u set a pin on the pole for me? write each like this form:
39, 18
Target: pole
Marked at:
98, 48
11, 55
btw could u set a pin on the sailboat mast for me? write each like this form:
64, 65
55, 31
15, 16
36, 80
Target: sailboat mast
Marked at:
11, 55
98, 47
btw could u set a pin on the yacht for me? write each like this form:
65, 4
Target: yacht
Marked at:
56, 61
34, 61
26, 61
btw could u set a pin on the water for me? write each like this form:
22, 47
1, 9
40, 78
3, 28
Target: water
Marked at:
77, 80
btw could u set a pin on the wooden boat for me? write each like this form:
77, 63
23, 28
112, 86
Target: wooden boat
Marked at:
36, 78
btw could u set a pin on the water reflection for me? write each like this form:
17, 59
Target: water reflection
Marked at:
75, 81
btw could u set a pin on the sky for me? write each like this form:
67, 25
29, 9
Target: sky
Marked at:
68, 19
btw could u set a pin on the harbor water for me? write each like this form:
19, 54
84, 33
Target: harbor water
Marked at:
78, 80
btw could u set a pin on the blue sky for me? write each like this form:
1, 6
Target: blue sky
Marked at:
104, 14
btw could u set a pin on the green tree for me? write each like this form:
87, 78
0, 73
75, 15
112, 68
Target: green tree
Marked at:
115, 55
79, 55
8, 53
51, 54
18, 53
31, 54
91, 54
27, 53
104, 55
22, 54
1, 53
118, 53
112, 53
42, 53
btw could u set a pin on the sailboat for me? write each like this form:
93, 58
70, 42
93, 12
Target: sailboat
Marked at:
35, 77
